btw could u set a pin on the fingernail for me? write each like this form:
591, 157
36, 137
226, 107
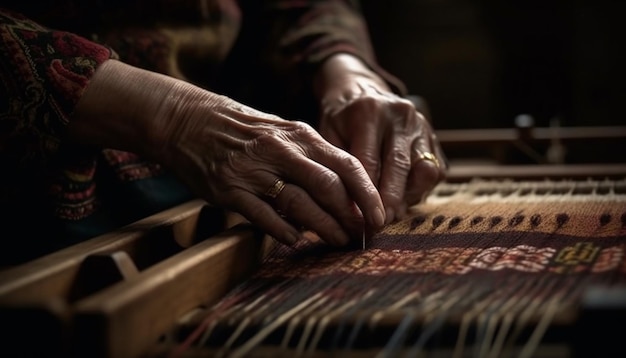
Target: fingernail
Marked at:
390, 215
378, 219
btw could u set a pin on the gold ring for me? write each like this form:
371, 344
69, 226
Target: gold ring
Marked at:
275, 189
430, 157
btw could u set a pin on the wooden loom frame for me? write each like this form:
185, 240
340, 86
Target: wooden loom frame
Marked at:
110, 320
63, 298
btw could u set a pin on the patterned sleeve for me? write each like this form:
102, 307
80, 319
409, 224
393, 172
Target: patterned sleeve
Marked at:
307, 32
43, 73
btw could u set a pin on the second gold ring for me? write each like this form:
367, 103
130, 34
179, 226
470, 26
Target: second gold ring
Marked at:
430, 157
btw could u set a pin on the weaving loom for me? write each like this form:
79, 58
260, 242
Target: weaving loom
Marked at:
493, 264
485, 267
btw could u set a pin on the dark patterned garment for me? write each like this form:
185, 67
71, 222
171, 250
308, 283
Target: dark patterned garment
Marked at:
52, 192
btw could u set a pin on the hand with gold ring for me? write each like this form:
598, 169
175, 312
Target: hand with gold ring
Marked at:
280, 175
390, 136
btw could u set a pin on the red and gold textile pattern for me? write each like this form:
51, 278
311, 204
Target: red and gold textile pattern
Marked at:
485, 253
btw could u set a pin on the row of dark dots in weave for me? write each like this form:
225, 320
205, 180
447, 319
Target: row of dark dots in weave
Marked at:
534, 220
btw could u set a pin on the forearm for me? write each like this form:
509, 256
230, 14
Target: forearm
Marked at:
131, 109
116, 107
303, 35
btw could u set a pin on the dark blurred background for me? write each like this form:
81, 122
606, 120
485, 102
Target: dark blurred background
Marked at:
480, 63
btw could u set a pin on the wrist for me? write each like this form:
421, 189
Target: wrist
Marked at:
343, 70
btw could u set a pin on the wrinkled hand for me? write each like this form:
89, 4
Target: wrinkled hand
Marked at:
393, 140
230, 154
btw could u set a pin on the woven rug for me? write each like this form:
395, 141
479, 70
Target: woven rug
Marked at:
487, 267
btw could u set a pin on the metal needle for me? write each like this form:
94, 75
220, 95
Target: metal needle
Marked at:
363, 240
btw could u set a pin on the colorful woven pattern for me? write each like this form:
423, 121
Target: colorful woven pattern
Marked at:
489, 267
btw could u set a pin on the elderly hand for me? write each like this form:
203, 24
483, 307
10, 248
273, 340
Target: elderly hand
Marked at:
232, 155
395, 142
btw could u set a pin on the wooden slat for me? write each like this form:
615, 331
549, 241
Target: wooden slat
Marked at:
490, 136
37, 298
127, 318
54, 274
461, 172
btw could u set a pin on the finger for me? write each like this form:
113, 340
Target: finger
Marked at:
435, 147
367, 148
261, 214
336, 180
426, 172
366, 138
326, 189
300, 208
423, 177
438, 150
395, 170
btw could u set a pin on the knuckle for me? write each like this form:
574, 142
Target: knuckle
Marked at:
326, 181
266, 142
401, 159
269, 137
302, 128
351, 165
292, 201
407, 118
369, 102
420, 116
368, 105
403, 108
269, 144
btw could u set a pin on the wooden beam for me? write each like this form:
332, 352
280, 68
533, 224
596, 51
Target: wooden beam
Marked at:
54, 274
467, 172
129, 317
490, 136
